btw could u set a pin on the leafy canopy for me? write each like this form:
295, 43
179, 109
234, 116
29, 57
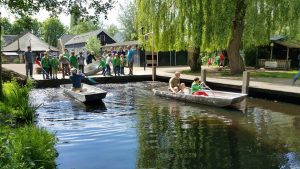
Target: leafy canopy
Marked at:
84, 27
93, 44
127, 19
52, 29
90, 9
112, 30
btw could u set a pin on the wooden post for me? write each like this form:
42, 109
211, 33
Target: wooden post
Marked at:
203, 75
246, 82
287, 59
154, 73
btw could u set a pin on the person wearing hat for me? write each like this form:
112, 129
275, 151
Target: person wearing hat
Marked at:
81, 59
76, 78
73, 60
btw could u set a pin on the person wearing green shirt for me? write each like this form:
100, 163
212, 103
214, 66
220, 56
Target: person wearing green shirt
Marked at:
117, 66
114, 62
73, 60
55, 66
122, 64
197, 88
46, 66
102, 65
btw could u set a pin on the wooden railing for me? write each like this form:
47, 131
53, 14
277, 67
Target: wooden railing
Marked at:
274, 64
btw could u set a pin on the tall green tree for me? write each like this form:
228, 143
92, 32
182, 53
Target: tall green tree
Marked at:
84, 27
126, 20
6, 26
216, 24
112, 30
52, 29
26, 23
75, 15
93, 44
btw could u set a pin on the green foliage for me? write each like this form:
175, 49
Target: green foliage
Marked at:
93, 44
211, 24
27, 147
127, 20
91, 9
112, 30
26, 23
16, 103
6, 26
75, 15
84, 27
52, 29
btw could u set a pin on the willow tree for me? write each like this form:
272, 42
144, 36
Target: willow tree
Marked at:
216, 24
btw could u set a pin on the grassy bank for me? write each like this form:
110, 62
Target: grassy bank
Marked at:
22, 144
254, 74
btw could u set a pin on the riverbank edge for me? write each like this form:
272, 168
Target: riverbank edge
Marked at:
269, 94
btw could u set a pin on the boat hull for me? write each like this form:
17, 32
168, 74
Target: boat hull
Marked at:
92, 69
214, 98
88, 95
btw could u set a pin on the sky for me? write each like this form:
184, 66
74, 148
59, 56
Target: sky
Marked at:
65, 19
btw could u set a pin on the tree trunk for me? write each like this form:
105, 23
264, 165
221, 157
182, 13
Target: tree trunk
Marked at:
235, 60
194, 60
1, 88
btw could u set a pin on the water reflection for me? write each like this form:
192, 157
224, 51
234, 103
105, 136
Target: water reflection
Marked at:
171, 138
134, 129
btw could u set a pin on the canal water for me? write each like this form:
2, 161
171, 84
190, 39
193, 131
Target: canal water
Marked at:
134, 129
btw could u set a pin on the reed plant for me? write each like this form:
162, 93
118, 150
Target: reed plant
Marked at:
27, 147
22, 144
16, 103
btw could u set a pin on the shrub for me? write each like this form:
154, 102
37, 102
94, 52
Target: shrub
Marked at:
17, 98
28, 147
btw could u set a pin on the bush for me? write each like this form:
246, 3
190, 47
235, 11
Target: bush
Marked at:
16, 104
28, 147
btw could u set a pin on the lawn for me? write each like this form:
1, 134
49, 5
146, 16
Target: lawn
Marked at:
255, 74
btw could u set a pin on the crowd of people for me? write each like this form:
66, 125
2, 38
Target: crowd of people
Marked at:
111, 62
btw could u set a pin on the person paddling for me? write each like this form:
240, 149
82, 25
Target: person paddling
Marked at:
76, 78
197, 88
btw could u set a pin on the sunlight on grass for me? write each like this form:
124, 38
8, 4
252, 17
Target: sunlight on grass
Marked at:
256, 74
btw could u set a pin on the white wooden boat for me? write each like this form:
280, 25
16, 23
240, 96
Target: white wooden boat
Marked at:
88, 94
92, 69
214, 98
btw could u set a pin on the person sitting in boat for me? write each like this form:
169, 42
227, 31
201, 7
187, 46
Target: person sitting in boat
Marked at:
197, 87
174, 84
76, 78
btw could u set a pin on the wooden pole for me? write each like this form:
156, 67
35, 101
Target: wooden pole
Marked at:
246, 82
287, 58
153, 71
203, 75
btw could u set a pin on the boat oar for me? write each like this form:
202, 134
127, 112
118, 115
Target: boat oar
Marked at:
92, 80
